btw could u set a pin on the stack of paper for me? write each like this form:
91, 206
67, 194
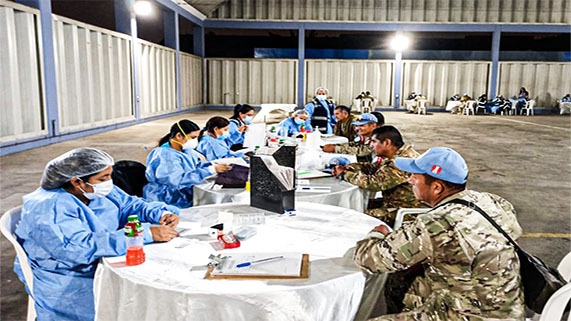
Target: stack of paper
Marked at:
286, 175
262, 264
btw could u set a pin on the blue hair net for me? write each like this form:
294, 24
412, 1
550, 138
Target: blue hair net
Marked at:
75, 163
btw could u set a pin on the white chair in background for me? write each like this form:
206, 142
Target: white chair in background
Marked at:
469, 108
528, 107
273, 113
410, 105
407, 211
555, 306
367, 105
564, 267
8, 223
421, 107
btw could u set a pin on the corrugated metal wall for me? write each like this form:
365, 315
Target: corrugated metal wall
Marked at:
345, 79
545, 81
157, 79
482, 11
22, 107
190, 80
440, 80
94, 80
251, 81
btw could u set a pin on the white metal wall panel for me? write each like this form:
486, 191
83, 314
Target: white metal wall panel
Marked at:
345, 79
545, 81
94, 81
22, 107
438, 80
157, 79
529, 11
251, 81
190, 80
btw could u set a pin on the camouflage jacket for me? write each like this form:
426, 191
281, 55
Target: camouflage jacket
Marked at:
359, 147
472, 273
346, 128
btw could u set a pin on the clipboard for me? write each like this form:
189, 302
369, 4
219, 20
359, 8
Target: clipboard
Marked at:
304, 273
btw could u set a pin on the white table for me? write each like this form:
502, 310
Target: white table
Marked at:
342, 194
170, 284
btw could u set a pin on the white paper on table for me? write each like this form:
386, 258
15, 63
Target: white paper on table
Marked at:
284, 174
231, 161
289, 265
311, 174
255, 135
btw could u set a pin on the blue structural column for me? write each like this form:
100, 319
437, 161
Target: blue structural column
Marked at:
495, 63
301, 67
198, 50
397, 79
170, 24
50, 77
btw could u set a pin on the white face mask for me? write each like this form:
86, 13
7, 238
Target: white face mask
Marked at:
99, 189
190, 144
248, 120
321, 97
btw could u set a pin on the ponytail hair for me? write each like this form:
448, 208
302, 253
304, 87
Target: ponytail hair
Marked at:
183, 126
241, 109
214, 122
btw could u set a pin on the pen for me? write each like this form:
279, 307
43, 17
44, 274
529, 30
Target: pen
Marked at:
245, 264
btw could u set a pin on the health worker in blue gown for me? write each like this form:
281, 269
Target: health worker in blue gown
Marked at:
321, 111
292, 126
212, 140
242, 117
72, 220
174, 167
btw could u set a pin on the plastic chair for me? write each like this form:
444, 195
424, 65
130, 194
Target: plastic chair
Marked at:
130, 177
410, 105
407, 211
555, 306
8, 223
367, 105
481, 105
564, 267
469, 108
421, 107
528, 107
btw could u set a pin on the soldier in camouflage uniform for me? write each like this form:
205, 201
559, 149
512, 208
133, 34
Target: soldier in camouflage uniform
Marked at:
383, 176
471, 271
360, 145
344, 125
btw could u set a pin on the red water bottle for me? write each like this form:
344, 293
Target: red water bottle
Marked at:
134, 239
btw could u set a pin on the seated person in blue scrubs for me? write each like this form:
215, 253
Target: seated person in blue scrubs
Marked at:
174, 167
212, 140
293, 125
243, 115
72, 220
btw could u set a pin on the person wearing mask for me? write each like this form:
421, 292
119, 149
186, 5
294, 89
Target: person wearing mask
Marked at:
471, 272
242, 117
174, 167
72, 220
212, 140
383, 176
293, 125
320, 110
453, 104
344, 125
360, 145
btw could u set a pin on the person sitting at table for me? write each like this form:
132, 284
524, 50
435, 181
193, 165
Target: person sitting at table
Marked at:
242, 117
174, 167
212, 140
71, 221
360, 145
293, 125
383, 176
380, 118
565, 104
470, 271
522, 98
320, 110
344, 125
453, 104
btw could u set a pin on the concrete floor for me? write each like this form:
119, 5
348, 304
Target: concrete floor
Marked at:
527, 160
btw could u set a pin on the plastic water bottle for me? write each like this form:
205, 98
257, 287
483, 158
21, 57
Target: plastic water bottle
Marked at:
134, 240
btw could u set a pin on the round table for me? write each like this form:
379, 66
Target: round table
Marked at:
342, 194
170, 285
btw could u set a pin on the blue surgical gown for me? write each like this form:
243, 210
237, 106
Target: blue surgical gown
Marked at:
215, 149
236, 137
288, 127
310, 108
64, 239
172, 174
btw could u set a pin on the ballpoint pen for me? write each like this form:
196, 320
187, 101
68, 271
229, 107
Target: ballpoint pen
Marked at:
245, 264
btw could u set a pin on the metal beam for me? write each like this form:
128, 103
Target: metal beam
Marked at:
177, 57
184, 10
495, 68
170, 34
301, 67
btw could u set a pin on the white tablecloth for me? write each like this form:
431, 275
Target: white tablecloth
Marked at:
170, 284
342, 194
